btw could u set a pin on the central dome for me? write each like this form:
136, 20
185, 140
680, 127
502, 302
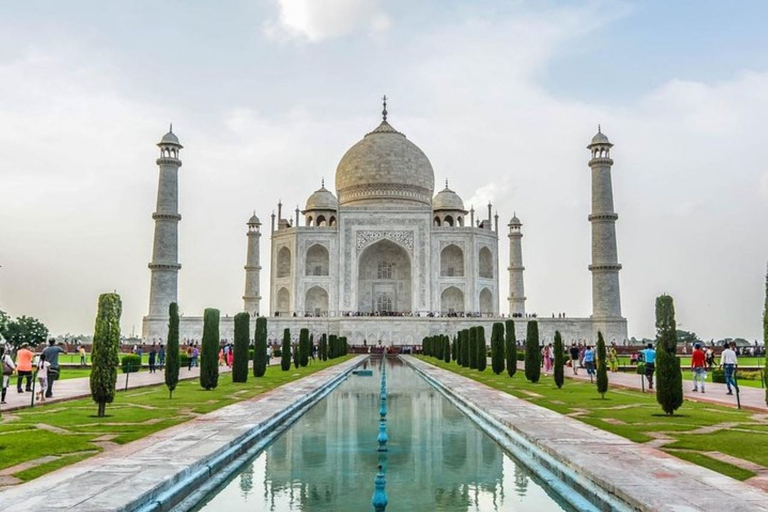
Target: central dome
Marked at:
383, 169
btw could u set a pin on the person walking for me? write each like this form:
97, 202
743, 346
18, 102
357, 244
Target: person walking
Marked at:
589, 361
699, 367
547, 356
195, 355
43, 369
574, 353
152, 359
8, 368
81, 351
613, 358
649, 357
161, 356
190, 349
729, 362
24, 367
51, 354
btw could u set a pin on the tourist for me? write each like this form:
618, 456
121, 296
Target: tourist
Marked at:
8, 368
589, 361
269, 354
222, 355
139, 350
699, 367
81, 351
710, 358
161, 356
547, 356
51, 354
195, 356
43, 369
649, 356
152, 359
730, 362
613, 358
230, 355
24, 367
574, 353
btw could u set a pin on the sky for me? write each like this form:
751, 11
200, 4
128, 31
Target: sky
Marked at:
502, 96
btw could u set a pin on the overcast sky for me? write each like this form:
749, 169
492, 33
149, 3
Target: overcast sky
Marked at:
502, 96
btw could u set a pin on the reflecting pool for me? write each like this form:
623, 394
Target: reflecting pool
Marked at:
437, 459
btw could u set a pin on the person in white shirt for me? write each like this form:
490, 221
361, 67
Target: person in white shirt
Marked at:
8, 367
42, 377
729, 362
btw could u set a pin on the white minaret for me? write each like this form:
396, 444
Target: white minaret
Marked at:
165, 252
252, 298
606, 299
516, 268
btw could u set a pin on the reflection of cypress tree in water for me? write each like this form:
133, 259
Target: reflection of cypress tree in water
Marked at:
521, 480
246, 480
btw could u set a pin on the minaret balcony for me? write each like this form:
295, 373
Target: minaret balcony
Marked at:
610, 267
166, 160
603, 216
166, 216
601, 161
165, 266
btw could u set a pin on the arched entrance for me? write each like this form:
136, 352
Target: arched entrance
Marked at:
384, 279
452, 301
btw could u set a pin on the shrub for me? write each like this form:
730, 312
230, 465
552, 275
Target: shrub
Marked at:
128, 364
183, 360
559, 354
602, 370
482, 353
209, 353
240, 350
669, 378
510, 350
106, 343
285, 354
532, 352
521, 356
497, 348
260, 348
172, 359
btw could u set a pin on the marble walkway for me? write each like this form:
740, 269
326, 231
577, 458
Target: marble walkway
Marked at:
139, 473
641, 475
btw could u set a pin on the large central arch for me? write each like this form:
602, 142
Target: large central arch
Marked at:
384, 279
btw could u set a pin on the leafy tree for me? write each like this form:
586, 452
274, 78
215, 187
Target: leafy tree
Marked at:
240, 351
260, 348
602, 370
285, 357
104, 352
511, 347
473, 348
447, 350
532, 352
497, 348
669, 378
172, 361
482, 351
25, 329
304, 347
559, 352
5, 319
209, 353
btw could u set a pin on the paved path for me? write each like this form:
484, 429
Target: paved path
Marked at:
187, 455
70, 389
645, 477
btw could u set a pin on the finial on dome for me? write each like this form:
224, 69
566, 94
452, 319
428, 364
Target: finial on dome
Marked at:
599, 129
171, 128
322, 182
384, 112
446, 183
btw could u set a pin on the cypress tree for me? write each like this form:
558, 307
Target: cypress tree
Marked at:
304, 347
511, 347
602, 370
240, 351
497, 348
473, 348
669, 378
260, 348
482, 352
332, 346
296, 354
447, 350
324, 347
285, 357
465, 348
104, 355
459, 359
172, 349
559, 368
532, 352
209, 353
311, 345
454, 348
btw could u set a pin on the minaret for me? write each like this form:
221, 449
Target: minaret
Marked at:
516, 268
606, 301
165, 252
252, 298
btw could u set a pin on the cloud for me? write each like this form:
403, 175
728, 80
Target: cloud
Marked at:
314, 21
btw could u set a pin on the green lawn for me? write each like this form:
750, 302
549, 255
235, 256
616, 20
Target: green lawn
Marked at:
638, 417
69, 429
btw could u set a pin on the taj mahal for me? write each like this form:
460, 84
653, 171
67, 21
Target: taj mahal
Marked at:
386, 259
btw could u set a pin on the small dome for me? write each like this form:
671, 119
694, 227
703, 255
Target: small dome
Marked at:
447, 199
600, 138
515, 221
383, 169
170, 138
322, 199
254, 220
